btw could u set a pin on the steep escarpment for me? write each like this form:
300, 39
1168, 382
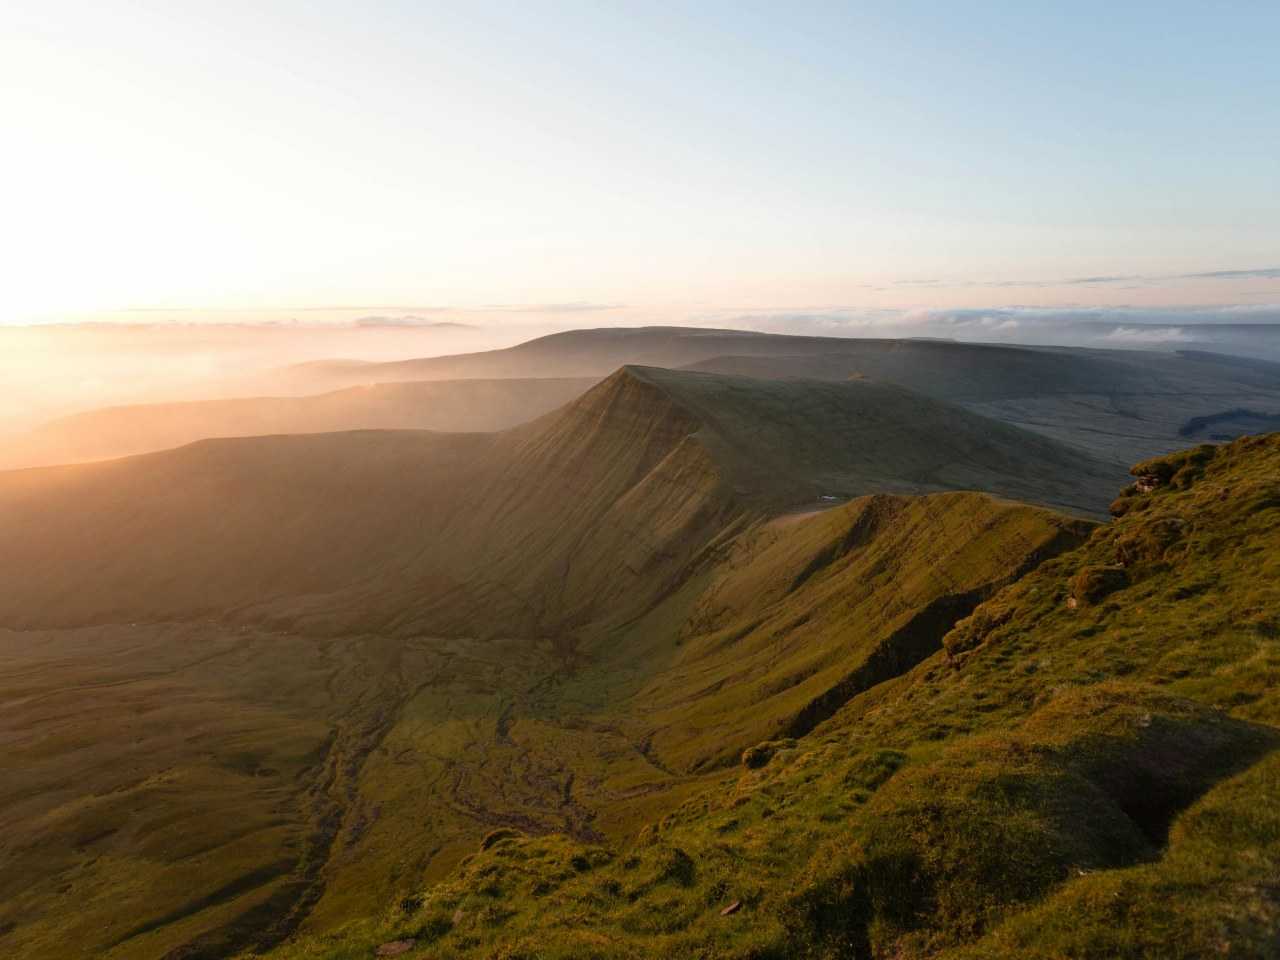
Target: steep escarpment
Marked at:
395, 531
806, 614
390, 530
793, 440
1087, 768
592, 512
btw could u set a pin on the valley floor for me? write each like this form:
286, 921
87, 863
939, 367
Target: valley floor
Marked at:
250, 783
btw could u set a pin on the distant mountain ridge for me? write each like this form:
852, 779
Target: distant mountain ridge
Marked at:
1118, 404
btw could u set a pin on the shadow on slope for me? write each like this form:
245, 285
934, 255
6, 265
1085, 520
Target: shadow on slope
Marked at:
804, 615
370, 530
589, 514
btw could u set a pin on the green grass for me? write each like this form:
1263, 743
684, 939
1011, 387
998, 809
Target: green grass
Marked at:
911, 789
220, 827
1088, 780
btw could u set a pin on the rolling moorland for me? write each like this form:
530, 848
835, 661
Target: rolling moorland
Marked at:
1117, 404
780, 654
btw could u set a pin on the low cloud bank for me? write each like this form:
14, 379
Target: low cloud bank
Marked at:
1242, 330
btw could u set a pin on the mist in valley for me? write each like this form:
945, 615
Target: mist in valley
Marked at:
50, 372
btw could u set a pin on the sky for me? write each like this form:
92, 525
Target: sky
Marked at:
635, 162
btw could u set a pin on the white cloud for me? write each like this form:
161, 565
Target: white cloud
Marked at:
1149, 335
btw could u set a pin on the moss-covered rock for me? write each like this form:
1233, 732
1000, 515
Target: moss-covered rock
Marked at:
753, 758
1092, 584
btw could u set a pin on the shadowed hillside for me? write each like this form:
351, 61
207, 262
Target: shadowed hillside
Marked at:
1086, 768
800, 438
1118, 404
456, 406
596, 510
208, 528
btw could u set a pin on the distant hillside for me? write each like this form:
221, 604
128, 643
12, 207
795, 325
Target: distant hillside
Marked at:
1086, 766
455, 406
811, 437
1118, 404
575, 353
595, 510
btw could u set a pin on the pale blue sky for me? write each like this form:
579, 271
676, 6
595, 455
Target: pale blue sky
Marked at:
672, 158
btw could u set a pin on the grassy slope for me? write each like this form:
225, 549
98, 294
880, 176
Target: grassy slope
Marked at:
623, 732
214, 526
222, 799
455, 737
805, 614
594, 511
1088, 770
162, 783
456, 406
604, 511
